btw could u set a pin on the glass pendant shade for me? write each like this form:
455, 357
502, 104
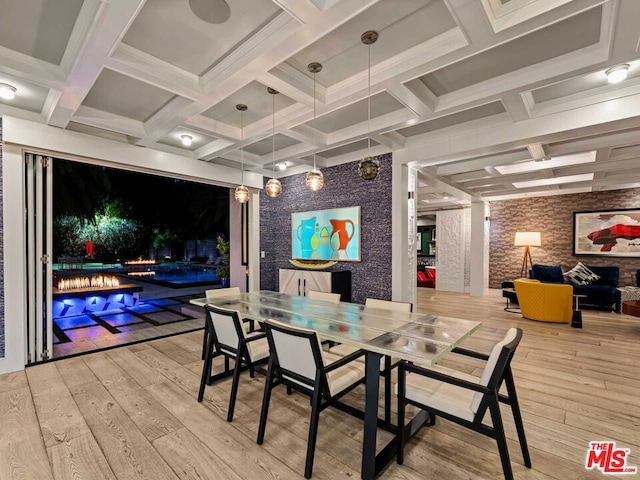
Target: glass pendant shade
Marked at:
368, 168
241, 194
273, 187
314, 180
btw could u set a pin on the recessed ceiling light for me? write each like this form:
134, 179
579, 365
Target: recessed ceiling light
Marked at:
187, 140
8, 92
553, 162
584, 177
618, 73
282, 166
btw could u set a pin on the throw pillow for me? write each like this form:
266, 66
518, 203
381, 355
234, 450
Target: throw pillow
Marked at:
581, 275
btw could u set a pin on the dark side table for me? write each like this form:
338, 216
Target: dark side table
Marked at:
509, 292
576, 318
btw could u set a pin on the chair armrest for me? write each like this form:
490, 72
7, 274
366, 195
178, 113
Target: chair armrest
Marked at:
470, 353
343, 361
458, 382
253, 338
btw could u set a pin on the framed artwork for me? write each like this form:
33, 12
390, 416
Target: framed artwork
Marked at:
332, 234
614, 233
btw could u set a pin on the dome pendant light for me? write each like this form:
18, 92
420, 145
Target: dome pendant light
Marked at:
242, 192
369, 166
273, 187
314, 178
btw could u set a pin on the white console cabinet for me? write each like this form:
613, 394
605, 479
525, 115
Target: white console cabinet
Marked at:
299, 282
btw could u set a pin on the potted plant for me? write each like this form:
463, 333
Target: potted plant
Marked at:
223, 270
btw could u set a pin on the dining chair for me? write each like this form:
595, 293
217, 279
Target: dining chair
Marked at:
465, 399
389, 305
211, 295
327, 296
298, 361
228, 337
387, 363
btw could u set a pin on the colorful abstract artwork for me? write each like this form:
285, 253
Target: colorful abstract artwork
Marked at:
614, 233
332, 234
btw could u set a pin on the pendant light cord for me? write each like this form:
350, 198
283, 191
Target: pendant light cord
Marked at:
369, 105
241, 147
273, 137
315, 146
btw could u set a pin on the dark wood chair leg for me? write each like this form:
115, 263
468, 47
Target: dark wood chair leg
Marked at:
313, 431
517, 417
204, 342
498, 428
387, 388
289, 390
401, 405
206, 369
234, 387
266, 398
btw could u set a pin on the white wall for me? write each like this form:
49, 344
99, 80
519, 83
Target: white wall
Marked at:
20, 136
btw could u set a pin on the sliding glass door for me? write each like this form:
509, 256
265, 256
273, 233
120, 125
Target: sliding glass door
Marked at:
38, 229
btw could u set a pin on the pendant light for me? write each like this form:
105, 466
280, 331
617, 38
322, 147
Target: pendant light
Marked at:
242, 192
369, 166
273, 187
314, 179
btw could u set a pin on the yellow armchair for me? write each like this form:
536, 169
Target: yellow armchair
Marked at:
545, 302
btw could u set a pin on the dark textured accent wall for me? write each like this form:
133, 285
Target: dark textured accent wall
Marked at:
371, 277
553, 217
1, 255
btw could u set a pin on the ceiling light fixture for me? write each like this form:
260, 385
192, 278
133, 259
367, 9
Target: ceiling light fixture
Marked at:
211, 11
369, 166
273, 187
187, 140
618, 73
314, 178
7, 92
282, 166
242, 193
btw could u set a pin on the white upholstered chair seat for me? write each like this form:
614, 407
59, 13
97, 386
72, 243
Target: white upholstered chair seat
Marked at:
442, 396
344, 350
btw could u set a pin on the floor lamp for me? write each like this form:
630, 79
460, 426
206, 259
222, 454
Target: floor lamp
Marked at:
526, 240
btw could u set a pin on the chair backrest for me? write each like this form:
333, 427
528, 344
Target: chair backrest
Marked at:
389, 305
329, 297
496, 366
226, 326
222, 292
297, 352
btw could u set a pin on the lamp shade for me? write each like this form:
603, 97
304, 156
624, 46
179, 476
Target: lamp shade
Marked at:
531, 239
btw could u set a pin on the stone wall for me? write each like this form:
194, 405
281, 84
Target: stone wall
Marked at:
553, 217
371, 277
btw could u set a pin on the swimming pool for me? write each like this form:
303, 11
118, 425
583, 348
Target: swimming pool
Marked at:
178, 275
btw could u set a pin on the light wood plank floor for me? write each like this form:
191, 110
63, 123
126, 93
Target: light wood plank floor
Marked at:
131, 412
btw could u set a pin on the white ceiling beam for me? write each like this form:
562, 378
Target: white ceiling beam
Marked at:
275, 43
515, 106
302, 10
481, 163
415, 95
111, 24
108, 121
536, 150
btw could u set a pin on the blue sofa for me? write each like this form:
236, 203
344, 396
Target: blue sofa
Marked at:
601, 293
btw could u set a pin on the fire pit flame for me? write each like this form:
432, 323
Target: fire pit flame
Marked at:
100, 281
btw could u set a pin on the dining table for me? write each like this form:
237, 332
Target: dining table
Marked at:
422, 338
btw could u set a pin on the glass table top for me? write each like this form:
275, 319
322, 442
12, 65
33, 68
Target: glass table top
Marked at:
422, 338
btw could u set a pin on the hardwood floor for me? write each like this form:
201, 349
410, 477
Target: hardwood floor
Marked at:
131, 412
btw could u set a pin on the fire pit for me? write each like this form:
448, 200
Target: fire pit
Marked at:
97, 293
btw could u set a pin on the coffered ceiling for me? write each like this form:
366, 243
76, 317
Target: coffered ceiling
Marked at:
487, 99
